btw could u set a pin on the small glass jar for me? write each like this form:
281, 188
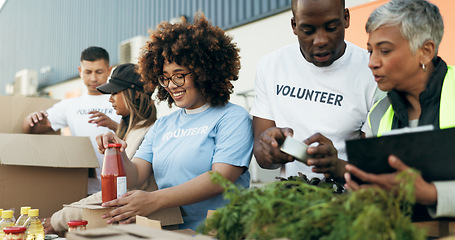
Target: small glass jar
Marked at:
14, 233
77, 225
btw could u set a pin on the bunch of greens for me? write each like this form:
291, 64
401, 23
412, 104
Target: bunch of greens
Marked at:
294, 209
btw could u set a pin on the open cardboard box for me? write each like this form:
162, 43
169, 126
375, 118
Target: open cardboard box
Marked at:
43, 171
15, 109
168, 218
40, 171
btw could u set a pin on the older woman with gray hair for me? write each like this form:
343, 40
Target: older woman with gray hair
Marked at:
404, 36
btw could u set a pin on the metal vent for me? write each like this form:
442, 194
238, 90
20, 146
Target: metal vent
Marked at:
130, 49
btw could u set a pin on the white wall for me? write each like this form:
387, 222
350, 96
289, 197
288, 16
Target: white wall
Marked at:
58, 91
255, 40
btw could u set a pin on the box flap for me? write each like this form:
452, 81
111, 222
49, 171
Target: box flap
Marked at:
87, 206
16, 108
47, 151
143, 221
168, 216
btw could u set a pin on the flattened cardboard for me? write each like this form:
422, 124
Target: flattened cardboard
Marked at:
131, 232
15, 109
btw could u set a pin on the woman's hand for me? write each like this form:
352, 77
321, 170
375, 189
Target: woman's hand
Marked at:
104, 139
102, 120
425, 192
131, 204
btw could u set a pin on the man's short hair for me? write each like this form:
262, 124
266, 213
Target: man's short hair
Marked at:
94, 53
294, 4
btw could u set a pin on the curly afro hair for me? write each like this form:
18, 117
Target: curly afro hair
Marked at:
206, 50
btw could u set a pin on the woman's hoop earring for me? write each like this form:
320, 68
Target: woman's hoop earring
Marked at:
424, 67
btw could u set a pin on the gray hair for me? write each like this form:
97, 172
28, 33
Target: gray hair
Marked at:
419, 20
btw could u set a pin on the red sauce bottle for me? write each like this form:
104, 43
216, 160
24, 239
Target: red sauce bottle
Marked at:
113, 177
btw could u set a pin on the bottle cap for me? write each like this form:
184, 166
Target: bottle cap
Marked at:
74, 223
111, 145
33, 212
7, 214
14, 229
24, 210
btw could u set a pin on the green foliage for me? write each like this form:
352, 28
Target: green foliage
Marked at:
295, 209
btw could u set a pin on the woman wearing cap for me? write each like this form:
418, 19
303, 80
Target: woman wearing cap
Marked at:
138, 114
192, 65
403, 42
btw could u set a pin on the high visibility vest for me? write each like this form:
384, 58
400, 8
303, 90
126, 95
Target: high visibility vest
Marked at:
381, 115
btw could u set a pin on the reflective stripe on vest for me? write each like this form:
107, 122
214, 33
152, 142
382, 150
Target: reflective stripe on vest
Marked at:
380, 117
447, 117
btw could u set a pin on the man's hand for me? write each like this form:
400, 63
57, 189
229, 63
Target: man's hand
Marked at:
36, 122
426, 193
324, 157
267, 148
102, 120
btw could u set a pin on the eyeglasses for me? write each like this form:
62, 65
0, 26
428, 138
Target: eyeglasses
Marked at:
178, 79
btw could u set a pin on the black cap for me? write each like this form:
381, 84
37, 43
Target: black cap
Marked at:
123, 77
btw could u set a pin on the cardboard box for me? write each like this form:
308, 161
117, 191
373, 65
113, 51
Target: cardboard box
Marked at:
15, 109
43, 171
131, 232
165, 218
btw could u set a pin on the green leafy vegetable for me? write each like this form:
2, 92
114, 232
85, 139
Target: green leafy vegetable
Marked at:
295, 209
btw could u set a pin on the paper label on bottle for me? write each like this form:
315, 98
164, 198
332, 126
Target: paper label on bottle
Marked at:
121, 186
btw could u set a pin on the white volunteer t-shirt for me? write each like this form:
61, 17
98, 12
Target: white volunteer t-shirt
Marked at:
73, 112
332, 100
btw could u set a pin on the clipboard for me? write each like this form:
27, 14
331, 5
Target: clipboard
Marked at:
430, 152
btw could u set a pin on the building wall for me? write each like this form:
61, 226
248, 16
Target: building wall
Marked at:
51, 34
360, 13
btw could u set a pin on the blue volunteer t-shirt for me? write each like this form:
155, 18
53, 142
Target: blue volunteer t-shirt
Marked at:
182, 146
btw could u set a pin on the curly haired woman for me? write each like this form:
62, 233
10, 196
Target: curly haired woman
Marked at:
192, 65
138, 115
